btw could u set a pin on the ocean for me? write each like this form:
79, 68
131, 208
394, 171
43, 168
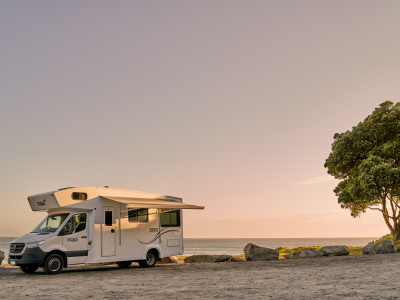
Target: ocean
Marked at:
235, 246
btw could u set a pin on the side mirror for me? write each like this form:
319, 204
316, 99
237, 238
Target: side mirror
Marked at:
69, 229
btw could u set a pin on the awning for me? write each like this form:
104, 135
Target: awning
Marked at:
152, 203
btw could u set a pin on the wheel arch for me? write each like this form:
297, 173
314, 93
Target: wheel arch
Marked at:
155, 250
61, 253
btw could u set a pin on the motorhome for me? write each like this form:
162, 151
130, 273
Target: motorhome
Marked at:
92, 225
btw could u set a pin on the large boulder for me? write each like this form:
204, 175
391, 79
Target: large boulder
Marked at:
369, 249
304, 253
168, 260
1, 256
386, 246
207, 258
257, 253
335, 250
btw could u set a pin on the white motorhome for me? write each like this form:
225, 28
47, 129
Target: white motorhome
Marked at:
100, 225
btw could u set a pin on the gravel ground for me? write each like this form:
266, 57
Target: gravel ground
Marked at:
347, 277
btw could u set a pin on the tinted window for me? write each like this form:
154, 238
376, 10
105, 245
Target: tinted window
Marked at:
108, 218
170, 218
79, 196
138, 215
75, 224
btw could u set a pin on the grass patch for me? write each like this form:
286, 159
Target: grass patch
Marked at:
283, 251
355, 250
240, 256
385, 237
181, 258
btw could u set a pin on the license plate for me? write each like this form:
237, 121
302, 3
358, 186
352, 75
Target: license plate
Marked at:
13, 263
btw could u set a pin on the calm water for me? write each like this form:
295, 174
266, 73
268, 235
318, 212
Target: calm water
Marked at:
235, 246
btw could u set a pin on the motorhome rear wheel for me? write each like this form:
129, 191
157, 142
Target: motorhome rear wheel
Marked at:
124, 264
53, 264
151, 259
28, 269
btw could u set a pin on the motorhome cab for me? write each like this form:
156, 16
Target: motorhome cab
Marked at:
99, 225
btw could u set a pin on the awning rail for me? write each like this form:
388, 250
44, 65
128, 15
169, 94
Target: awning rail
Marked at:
152, 203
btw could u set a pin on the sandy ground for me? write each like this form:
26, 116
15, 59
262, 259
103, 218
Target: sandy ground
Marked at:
349, 277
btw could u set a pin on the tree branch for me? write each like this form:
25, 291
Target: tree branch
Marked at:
385, 214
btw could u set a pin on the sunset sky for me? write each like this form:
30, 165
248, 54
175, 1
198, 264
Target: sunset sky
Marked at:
228, 104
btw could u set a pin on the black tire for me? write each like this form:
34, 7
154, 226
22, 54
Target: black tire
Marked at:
150, 261
53, 264
28, 269
124, 264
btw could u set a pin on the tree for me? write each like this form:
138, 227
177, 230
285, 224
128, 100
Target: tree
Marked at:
367, 160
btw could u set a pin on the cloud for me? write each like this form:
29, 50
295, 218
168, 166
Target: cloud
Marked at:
315, 180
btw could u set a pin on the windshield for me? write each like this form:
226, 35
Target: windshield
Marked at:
50, 224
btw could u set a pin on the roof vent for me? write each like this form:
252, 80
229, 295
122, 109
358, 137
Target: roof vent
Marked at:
70, 187
106, 186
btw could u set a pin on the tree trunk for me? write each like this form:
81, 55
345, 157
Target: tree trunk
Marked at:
396, 234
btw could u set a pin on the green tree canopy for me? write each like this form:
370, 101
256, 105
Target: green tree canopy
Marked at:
367, 159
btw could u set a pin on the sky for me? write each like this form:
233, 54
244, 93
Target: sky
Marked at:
228, 104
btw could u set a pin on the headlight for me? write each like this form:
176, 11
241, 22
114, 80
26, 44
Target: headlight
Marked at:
35, 244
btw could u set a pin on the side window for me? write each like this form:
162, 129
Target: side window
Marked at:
108, 218
79, 196
75, 224
138, 215
170, 218
80, 222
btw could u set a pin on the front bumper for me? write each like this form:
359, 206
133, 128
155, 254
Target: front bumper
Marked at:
30, 257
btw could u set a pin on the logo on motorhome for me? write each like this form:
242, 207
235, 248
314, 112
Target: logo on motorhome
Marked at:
13, 247
43, 203
72, 239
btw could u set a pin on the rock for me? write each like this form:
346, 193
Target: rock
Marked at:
236, 259
207, 258
369, 249
304, 253
386, 246
168, 260
1, 256
257, 253
335, 250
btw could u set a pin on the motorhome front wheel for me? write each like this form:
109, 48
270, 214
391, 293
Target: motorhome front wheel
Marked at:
54, 264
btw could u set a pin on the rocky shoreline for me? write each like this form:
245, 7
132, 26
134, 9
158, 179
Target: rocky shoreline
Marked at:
257, 253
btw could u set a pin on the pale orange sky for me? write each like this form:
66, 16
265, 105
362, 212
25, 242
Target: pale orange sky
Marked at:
228, 104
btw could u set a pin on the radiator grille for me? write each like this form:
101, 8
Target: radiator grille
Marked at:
17, 247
